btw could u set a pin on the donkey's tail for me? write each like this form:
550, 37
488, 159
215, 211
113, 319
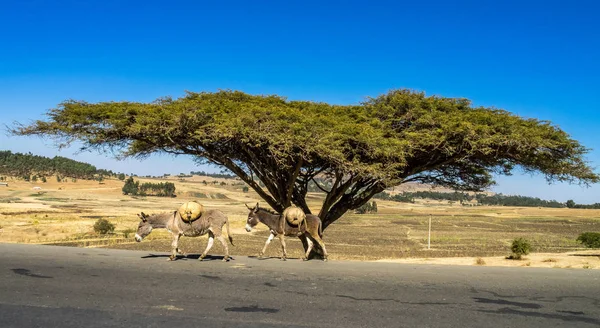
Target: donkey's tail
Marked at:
228, 233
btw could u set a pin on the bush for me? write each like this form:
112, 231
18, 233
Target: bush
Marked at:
520, 247
245, 189
102, 226
590, 239
128, 232
367, 208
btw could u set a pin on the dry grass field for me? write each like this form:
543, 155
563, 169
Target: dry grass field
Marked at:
64, 214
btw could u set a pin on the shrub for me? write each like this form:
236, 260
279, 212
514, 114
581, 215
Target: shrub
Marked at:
128, 232
480, 261
103, 226
520, 247
245, 189
368, 207
590, 239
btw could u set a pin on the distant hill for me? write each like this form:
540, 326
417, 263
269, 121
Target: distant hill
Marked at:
27, 165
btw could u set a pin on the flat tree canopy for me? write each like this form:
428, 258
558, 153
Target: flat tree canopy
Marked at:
362, 149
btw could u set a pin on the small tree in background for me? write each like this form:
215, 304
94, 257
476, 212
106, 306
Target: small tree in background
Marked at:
131, 187
103, 226
570, 203
245, 189
121, 176
590, 239
519, 247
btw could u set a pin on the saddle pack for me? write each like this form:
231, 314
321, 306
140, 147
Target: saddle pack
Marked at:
190, 211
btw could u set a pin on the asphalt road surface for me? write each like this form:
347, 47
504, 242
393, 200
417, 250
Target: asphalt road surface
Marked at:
45, 286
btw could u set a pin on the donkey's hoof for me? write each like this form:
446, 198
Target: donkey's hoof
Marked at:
305, 259
284, 259
171, 258
201, 258
325, 260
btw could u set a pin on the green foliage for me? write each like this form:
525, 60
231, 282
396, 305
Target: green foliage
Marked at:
590, 239
103, 226
572, 204
18, 164
397, 137
161, 189
121, 176
44, 179
127, 232
131, 187
213, 175
519, 247
245, 189
367, 208
405, 197
482, 199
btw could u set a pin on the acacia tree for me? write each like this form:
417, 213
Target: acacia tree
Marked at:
398, 137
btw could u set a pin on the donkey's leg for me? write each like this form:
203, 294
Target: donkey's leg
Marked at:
179, 251
309, 248
271, 236
211, 240
322, 245
282, 240
174, 248
224, 242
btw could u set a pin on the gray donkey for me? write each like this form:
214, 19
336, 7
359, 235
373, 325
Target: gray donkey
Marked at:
312, 230
210, 222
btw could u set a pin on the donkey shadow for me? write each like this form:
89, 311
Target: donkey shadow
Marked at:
187, 257
264, 258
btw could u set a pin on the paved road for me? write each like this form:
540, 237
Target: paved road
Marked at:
44, 286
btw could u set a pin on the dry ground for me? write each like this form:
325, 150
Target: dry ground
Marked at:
64, 214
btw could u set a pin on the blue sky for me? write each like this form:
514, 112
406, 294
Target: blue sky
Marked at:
533, 58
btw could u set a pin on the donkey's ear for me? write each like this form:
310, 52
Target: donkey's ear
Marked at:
250, 208
256, 205
143, 216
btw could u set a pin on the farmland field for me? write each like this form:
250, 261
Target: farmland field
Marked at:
64, 214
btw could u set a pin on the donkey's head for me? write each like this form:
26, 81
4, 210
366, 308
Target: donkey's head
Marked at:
252, 220
144, 228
